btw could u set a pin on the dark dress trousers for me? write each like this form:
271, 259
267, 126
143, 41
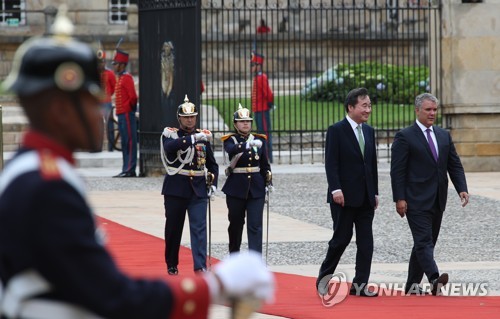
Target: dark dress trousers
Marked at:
356, 175
245, 190
417, 178
187, 193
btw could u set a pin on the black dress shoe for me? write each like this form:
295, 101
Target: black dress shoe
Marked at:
173, 271
439, 282
200, 271
126, 174
415, 289
362, 293
322, 288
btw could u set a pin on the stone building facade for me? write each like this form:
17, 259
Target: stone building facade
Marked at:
97, 22
469, 53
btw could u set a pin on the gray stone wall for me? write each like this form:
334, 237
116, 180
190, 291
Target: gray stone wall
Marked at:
471, 81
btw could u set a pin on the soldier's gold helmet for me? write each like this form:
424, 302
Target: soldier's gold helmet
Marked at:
242, 114
187, 108
54, 61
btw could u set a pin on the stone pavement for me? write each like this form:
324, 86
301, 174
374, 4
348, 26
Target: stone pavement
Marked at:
297, 241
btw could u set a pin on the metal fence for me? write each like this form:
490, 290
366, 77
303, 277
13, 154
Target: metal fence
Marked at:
315, 52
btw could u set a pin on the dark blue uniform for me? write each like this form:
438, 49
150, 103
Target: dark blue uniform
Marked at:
245, 190
186, 189
48, 229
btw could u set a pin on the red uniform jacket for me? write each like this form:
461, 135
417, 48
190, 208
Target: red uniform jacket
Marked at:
108, 83
125, 96
263, 29
261, 93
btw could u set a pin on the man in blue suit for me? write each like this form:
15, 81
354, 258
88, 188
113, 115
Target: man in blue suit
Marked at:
187, 153
422, 156
351, 171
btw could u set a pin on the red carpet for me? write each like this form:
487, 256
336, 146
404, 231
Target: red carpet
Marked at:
141, 255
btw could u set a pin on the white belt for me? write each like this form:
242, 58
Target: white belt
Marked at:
188, 172
241, 170
16, 301
49, 309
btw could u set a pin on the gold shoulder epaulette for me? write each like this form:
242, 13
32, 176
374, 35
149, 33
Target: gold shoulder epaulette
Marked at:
264, 136
170, 132
48, 166
225, 137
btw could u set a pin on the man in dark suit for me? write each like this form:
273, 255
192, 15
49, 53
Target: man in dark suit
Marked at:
422, 155
351, 171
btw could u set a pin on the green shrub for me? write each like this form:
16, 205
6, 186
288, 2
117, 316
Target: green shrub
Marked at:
385, 82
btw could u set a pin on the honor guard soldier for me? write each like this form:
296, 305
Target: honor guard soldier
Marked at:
248, 176
108, 84
262, 100
52, 262
126, 105
186, 153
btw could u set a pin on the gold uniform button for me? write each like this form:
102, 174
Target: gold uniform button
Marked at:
189, 307
249, 164
249, 176
188, 285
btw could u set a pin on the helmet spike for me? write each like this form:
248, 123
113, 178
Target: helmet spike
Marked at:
187, 108
242, 114
62, 26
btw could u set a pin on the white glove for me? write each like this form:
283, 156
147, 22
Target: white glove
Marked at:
257, 143
168, 131
211, 190
200, 137
244, 276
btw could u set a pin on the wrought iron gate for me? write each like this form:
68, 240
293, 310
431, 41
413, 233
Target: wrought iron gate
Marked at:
315, 52
169, 68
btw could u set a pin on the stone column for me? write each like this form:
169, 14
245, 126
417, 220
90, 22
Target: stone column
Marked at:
132, 18
471, 81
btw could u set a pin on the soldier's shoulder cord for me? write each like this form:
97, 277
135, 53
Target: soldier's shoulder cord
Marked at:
227, 136
171, 132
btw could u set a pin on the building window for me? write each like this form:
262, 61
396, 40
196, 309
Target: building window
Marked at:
12, 13
118, 10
